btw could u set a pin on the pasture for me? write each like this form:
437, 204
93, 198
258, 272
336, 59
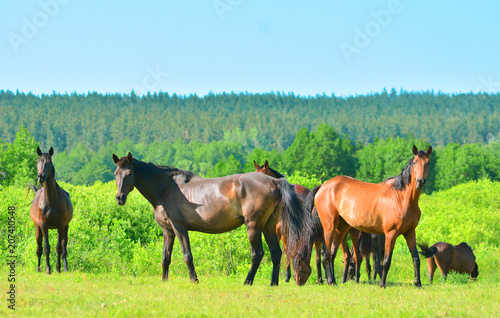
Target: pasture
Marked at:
114, 260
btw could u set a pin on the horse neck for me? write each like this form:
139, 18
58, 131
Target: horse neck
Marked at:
411, 194
151, 187
50, 189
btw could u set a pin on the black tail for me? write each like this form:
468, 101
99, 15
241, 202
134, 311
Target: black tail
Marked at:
295, 223
426, 250
31, 187
309, 205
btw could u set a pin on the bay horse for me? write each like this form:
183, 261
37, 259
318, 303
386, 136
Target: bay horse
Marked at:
449, 258
389, 208
51, 209
185, 202
317, 228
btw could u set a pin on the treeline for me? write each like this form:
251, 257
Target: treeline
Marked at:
266, 121
320, 155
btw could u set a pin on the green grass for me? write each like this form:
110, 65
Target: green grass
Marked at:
79, 294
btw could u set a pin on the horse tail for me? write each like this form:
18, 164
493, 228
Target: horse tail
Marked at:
31, 187
365, 243
295, 223
426, 250
309, 204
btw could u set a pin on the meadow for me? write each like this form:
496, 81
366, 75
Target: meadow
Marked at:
114, 256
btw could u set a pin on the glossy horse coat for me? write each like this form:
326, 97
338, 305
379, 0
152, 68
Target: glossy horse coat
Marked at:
51, 209
185, 202
449, 258
389, 208
317, 228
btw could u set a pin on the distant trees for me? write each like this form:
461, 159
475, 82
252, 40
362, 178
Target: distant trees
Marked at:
318, 155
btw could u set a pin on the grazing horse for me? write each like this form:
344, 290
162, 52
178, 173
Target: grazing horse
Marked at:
51, 209
185, 202
449, 258
389, 208
318, 229
369, 245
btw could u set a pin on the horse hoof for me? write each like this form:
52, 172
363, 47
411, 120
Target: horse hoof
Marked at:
247, 282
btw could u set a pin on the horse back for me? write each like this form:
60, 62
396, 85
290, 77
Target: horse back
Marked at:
459, 258
363, 205
225, 203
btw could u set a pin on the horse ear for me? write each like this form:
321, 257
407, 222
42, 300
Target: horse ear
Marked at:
266, 165
115, 158
130, 158
415, 150
38, 151
429, 151
51, 151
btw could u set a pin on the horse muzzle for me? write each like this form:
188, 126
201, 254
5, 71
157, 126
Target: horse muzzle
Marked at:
121, 199
420, 183
42, 178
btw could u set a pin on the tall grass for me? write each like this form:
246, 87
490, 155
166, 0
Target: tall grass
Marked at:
125, 240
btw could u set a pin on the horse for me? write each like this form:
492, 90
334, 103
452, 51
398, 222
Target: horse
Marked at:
389, 208
318, 230
185, 202
449, 258
51, 209
368, 245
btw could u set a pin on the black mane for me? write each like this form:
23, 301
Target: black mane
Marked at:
403, 179
276, 173
188, 175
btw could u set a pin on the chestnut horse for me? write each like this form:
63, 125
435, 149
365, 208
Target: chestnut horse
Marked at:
51, 209
318, 229
185, 202
449, 258
389, 208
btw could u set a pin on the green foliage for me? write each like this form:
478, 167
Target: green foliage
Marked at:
465, 213
18, 160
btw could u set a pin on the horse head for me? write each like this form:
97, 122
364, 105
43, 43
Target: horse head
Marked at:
124, 176
44, 165
263, 169
421, 165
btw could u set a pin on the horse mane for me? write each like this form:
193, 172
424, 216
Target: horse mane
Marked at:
403, 179
276, 173
171, 171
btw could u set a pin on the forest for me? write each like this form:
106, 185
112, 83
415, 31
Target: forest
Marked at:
367, 137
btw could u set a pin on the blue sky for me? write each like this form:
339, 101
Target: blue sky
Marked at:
196, 47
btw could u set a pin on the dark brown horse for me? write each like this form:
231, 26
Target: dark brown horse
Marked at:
389, 208
370, 245
191, 203
51, 209
449, 258
318, 229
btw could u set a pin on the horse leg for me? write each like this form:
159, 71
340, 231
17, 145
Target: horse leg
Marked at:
318, 247
275, 250
168, 244
64, 244
411, 241
368, 266
39, 243
46, 248
343, 229
255, 238
183, 237
390, 240
279, 236
59, 249
380, 240
431, 265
